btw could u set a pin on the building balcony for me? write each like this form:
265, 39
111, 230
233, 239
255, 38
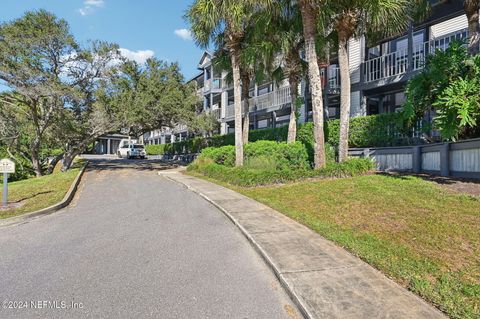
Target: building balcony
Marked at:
397, 63
331, 79
213, 85
216, 113
269, 101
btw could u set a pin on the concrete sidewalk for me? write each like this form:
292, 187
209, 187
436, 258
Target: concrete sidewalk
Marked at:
322, 278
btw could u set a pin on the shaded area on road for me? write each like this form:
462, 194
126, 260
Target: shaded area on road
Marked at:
135, 245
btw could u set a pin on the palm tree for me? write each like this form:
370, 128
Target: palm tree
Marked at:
472, 7
208, 19
310, 10
255, 61
254, 65
353, 18
287, 35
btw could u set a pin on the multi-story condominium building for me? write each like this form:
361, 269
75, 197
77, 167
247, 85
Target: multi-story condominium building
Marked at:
378, 73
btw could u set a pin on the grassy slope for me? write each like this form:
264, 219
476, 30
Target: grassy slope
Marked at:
39, 192
424, 237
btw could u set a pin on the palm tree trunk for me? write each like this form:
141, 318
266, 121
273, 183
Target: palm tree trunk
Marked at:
237, 97
246, 104
292, 125
309, 32
344, 98
471, 9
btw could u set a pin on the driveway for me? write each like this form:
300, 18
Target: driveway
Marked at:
135, 245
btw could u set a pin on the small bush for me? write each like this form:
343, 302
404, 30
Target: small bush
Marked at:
158, 149
260, 162
224, 155
293, 155
250, 176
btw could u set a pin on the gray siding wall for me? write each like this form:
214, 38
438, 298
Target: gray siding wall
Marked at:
356, 105
449, 26
467, 160
393, 162
431, 161
355, 57
461, 159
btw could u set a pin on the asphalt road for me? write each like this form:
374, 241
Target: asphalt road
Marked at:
135, 245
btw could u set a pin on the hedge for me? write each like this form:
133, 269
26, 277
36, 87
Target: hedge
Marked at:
262, 154
366, 131
246, 176
158, 149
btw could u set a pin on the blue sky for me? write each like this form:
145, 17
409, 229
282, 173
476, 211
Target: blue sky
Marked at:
141, 27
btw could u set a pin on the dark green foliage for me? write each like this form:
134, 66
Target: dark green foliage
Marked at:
246, 176
23, 168
262, 153
366, 131
369, 131
449, 83
224, 155
158, 149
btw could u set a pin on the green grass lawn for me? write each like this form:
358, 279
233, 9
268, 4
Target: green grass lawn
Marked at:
423, 236
38, 193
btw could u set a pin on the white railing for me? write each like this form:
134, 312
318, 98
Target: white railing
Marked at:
216, 83
207, 85
385, 66
181, 128
274, 99
212, 84
230, 110
396, 63
216, 113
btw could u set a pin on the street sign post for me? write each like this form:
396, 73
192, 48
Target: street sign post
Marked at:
7, 166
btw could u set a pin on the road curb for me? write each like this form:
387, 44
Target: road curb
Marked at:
310, 301
288, 289
51, 209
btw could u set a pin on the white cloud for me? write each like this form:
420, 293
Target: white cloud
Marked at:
89, 6
139, 56
185, 34
94, 3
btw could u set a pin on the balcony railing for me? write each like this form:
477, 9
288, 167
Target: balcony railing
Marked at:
396, 63
215, 111
274, 99
212, 84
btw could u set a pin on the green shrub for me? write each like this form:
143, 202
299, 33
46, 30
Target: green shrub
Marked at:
352, 167
251, 176
224, 155
449, 83
366, 131
292, 155
158, 149
260, 162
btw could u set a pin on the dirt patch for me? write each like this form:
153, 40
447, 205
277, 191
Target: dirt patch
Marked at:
14, 205
465, 186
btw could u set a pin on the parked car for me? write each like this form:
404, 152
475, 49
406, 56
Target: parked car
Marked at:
132, 151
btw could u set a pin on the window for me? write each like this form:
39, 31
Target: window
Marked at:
264, 89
